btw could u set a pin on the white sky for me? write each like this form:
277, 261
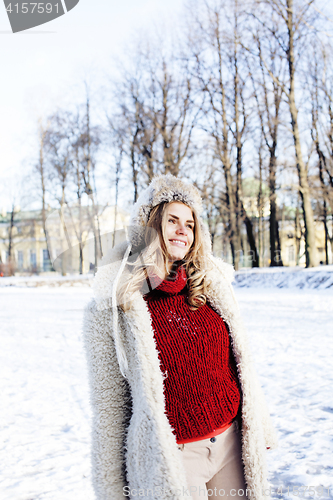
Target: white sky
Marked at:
43, 67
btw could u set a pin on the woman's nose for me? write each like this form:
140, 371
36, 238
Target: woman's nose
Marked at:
182, 228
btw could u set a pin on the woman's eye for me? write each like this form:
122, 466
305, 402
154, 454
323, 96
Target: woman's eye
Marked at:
188, 225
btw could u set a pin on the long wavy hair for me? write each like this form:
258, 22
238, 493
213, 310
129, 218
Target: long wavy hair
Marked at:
153, 257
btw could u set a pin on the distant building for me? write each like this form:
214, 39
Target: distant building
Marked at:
30, 250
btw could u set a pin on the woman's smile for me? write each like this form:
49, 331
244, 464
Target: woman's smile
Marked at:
178, 243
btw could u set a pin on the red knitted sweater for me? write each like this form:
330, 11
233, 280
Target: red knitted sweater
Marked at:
201, 386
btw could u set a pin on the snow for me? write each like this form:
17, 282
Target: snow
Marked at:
44, 405
292, 343
320, 277
44, 402
48, 280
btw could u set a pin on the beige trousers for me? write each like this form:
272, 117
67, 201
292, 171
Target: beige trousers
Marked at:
214, 467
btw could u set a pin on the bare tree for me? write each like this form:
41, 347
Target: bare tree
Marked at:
155, 111
240, 123
11, 260
326, 173
59, 158
14, 229
40, 168
295, 25
175, 116
130, 122
76, 130
319, 92
209, 185
221, 75
206, 37
268, 95
260, 204
89, 142
117, 132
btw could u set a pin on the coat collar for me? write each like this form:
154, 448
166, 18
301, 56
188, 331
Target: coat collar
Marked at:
219, 276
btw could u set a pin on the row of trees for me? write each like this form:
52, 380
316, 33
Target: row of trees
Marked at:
66, 167
249, 83
240, 89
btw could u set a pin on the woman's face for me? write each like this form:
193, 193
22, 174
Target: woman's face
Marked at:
179, 230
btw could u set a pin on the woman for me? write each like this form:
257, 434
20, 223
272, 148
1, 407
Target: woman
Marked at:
177, 409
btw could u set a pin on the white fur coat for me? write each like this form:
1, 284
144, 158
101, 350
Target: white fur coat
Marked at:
133, 447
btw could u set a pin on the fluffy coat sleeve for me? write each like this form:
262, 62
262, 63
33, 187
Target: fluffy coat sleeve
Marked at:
111, 405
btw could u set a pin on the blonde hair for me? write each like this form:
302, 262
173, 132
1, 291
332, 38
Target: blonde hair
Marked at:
153, 256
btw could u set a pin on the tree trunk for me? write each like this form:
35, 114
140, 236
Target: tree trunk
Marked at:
230, 193
275, 251
310, 238
260, 211
41, 169
81, 258
11, 262
64, 235
80, 229
251, 240
322, 162
238, 139
231, 204
118, 167
298, 235
278, 256
272, 212
326, 232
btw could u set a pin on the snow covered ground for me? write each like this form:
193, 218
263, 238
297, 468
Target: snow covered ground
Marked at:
318, 278
44, 404
291, 334
50, 280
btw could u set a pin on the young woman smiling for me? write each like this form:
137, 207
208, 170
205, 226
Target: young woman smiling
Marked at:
177, 409
179, 231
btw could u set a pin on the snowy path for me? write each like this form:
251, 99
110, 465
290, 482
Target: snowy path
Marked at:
44, 406
292, 342
45, 436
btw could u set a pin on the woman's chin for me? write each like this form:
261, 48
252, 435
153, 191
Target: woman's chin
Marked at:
174, 257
